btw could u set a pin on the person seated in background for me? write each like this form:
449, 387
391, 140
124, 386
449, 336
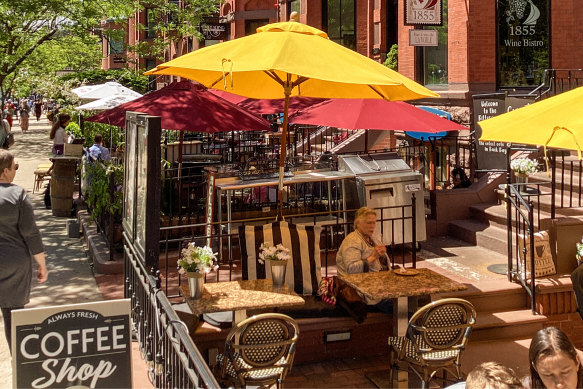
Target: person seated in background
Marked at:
459, 179
362, 252
97, 152
554, 361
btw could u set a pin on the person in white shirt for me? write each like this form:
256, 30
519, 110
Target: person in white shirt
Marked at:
58, 134
97, 151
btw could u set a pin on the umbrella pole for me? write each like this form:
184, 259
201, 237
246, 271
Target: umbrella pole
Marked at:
282, 152
180, 173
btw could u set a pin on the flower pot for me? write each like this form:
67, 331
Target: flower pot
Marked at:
195, 284
278, 269
522, 178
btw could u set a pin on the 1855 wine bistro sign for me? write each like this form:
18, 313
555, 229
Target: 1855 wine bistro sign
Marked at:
523, 41
423, 12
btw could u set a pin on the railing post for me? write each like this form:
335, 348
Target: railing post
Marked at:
111, 218
531, 256
553, 181
413, 231
508, 215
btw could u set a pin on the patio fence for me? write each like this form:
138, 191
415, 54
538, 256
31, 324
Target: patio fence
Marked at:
165, 345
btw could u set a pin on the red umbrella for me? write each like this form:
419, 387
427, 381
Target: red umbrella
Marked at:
271, 106
230, 97
187, 107
358, 114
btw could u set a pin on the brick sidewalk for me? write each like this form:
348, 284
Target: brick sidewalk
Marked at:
71, 279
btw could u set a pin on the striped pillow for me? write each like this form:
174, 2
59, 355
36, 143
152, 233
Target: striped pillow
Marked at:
303, 273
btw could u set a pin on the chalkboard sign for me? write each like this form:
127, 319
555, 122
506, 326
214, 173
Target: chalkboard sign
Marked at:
80, 345
490, 155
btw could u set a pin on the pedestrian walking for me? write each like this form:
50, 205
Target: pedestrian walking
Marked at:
19, 239
24, 116
9, 109
38, 109
4, 132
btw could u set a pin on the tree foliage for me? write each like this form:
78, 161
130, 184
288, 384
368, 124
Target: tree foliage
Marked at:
27, 25
169, 22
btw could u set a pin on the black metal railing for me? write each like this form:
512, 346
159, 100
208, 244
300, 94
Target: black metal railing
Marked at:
557, 81
400, 220
165, 345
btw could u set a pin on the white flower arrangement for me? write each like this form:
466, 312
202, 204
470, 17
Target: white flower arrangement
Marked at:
524, 165
273, 253
197, 259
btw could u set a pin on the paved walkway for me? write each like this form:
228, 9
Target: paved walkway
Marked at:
71, 279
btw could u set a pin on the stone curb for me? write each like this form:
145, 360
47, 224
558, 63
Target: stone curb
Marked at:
97, 248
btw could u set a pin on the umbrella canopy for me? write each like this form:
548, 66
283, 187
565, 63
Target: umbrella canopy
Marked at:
187, 107
357, 114
84, 89
230, 97
106, 102
271, 106
293, 54
105, 90
554, 122
291, 59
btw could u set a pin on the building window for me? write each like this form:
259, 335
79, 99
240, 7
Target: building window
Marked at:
435, 57
523, 42
339, 21
293, 5
150, 23
377, 33
251, 25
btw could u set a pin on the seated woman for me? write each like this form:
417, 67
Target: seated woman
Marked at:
459, 179
554, 361
360, 252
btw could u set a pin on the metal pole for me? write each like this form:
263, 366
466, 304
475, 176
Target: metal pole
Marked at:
282, 148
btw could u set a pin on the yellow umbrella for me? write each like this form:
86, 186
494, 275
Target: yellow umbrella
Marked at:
291, 59
554, 122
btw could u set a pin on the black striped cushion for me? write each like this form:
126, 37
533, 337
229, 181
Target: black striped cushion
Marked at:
303, 273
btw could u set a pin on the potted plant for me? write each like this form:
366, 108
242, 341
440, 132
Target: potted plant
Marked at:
522, 167
277, 256
195, 262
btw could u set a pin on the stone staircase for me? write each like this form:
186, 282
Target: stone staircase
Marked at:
503, 307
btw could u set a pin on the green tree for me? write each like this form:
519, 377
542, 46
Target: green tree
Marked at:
392, 58
168, 22
27, 25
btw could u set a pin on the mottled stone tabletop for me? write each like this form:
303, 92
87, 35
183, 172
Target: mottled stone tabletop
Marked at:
241, 295
390, 284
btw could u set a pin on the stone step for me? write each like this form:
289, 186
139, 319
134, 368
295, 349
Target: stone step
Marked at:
493, 214
480, 234
509, 352
507, 325
495, 295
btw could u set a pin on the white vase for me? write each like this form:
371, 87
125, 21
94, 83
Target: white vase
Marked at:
278, 269
195, 284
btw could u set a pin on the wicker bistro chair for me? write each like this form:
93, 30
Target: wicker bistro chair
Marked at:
436, 336
259, 351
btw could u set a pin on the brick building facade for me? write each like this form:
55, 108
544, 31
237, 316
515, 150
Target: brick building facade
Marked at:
468, 56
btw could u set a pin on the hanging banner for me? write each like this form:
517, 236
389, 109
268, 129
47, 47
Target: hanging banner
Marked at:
423, 12
72, 346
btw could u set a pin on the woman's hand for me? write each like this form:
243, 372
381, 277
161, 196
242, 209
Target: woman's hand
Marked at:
42, 274
377, 252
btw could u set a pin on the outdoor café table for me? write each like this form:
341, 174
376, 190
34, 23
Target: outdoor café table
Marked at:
399, 288
239, 296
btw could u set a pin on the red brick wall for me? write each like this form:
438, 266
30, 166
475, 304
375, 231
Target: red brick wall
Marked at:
481, 45
406, 52
571, 324
567, 29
